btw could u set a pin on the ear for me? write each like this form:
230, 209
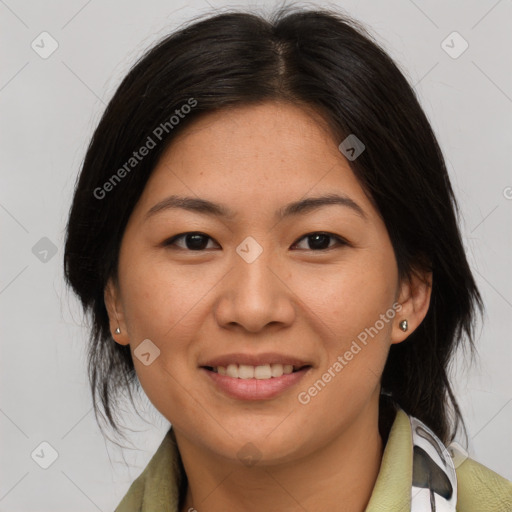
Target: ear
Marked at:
115, 313
414, 296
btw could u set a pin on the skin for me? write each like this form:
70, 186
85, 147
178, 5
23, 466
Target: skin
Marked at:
293, 299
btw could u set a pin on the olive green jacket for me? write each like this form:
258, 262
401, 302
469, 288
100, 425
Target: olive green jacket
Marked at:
479, 489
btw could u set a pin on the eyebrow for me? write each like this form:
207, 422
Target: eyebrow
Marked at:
301, 207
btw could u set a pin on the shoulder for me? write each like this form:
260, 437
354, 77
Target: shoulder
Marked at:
157, 488
480, 489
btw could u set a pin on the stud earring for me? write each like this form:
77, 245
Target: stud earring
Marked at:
118, 330
403, 325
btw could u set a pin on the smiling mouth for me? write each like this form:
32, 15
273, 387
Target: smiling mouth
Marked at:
261, 372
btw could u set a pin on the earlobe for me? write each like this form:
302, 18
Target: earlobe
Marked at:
117, 327
414, 297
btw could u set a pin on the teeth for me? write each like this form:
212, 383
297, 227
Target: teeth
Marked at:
232, 371
263, 372
277, 370
245, 371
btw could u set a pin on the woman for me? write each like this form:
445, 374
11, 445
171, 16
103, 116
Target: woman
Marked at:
296, 375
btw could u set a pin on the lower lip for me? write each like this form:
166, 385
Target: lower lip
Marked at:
255, 389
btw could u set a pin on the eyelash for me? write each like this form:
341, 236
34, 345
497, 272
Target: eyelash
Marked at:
341, 242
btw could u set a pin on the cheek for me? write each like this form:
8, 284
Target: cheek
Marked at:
161, 298
354, 304
356, 344
165, 304
161, 309
348, 297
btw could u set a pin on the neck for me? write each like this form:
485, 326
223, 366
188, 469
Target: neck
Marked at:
339, 476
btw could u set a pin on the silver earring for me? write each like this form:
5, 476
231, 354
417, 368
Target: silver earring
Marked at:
403, 325
118, 331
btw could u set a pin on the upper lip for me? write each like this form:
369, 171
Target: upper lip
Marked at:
254, 360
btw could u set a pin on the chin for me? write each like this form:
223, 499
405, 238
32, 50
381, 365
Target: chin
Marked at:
266, 446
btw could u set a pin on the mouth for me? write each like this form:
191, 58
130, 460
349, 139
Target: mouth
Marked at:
262, 382
260, 372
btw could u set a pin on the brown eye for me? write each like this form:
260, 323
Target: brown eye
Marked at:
320, 241
192, 241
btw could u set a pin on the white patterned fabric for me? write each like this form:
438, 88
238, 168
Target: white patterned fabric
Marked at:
434, 481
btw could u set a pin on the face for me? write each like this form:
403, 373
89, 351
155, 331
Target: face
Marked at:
257, 282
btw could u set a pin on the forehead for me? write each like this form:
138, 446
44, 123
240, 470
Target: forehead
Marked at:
253, 156
249, 131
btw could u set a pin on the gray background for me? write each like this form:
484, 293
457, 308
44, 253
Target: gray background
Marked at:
49, 108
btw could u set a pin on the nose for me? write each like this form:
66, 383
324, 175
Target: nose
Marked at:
255, 294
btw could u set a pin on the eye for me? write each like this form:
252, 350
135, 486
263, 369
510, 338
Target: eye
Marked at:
193, 241
319, 241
